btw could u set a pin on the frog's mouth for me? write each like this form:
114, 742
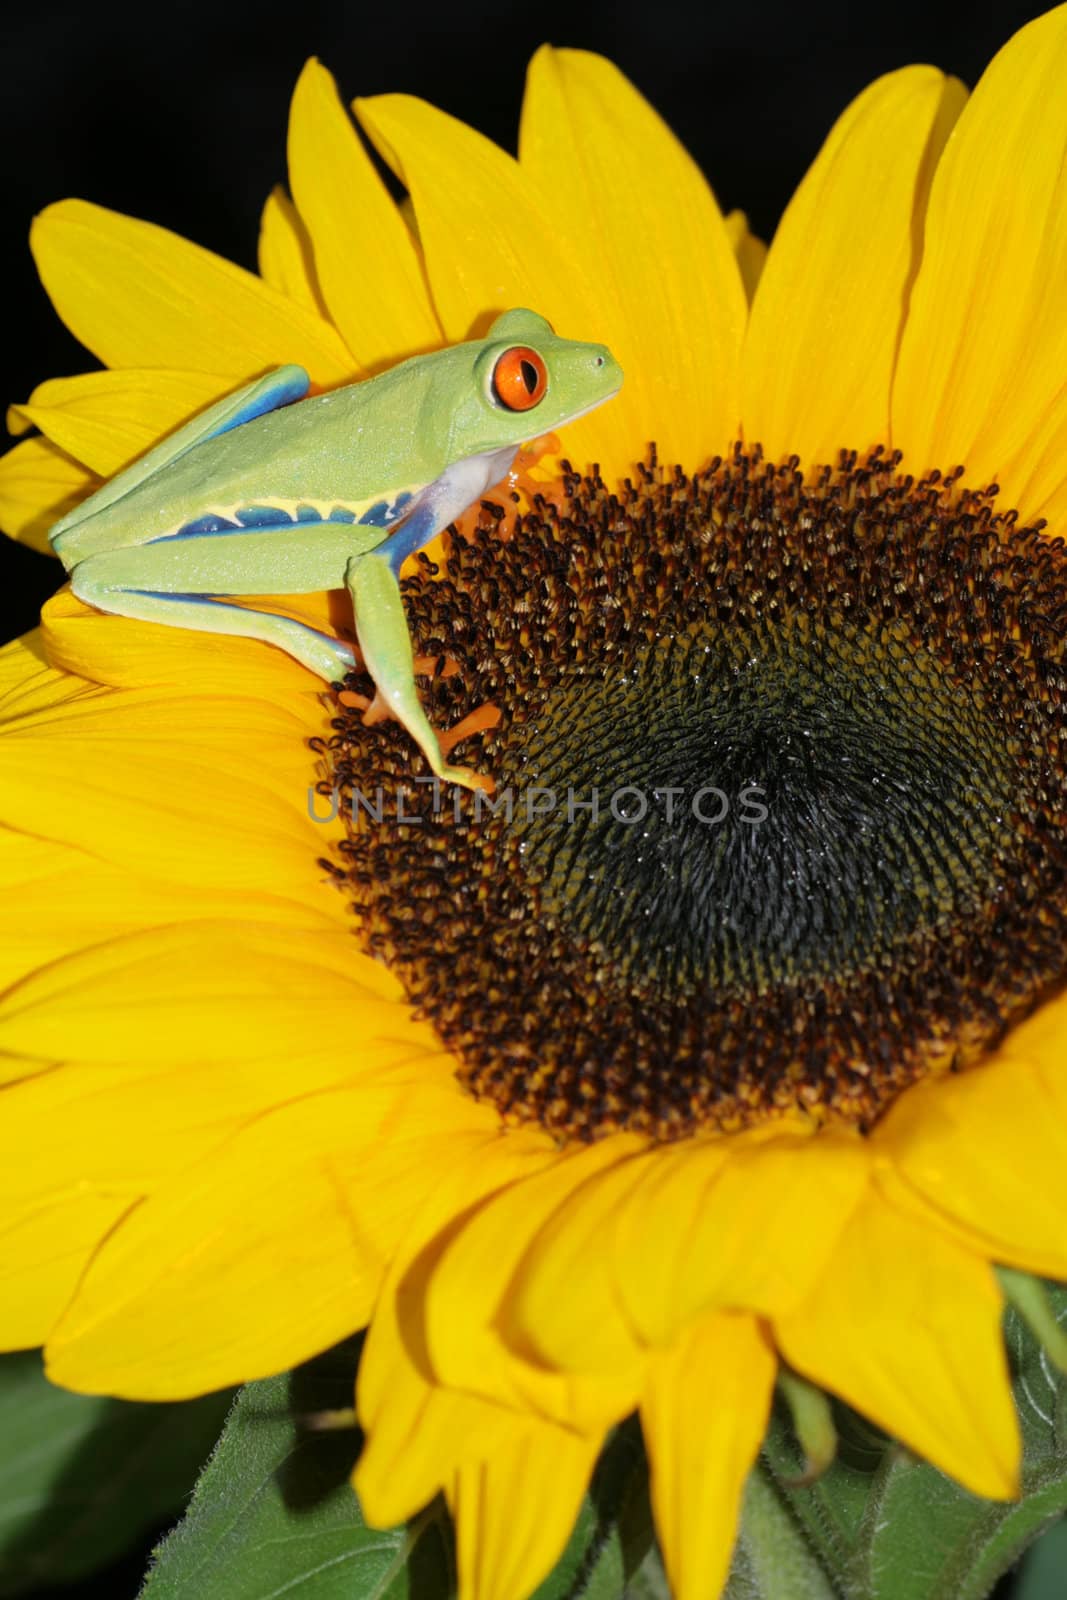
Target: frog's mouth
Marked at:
594, 405
787, 798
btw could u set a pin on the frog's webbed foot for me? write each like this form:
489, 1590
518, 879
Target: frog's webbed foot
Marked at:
376, 707
521, 480
480, 720
477, 721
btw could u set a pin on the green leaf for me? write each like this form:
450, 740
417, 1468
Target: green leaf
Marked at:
82, 1477
881, 1526
1044, 1566
275, 1513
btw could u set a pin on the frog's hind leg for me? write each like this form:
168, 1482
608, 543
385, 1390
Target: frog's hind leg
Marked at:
385, 644
188, 581
327, 657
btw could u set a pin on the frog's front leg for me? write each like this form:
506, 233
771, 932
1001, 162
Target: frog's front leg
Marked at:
373, 583
385, 643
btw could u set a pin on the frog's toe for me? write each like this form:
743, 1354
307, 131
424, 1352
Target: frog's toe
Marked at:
466, 778
338, 661
377, 710
480, 720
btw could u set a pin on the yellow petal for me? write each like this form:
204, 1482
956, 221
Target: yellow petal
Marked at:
416, 1430
461, 184
115, 1134
235, 1156
142, 763
125, 1130
984, 352
704, 1412
31, 941
988, 1148
101, 902
753, 1230
30, 688
366, 263
43, 1254
641, 217
514, 1510
245, 1264
740, 1222
286, 260
483, 1161
339, 1176
565, 1306
751, 252
467, 1284
828, 313
201, 991
105, 419
419, 1440
1043, 490
38, 485
905, 1326
140, 296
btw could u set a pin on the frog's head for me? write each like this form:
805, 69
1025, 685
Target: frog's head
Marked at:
525, 381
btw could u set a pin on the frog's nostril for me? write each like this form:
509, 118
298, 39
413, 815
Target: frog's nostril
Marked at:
599, 361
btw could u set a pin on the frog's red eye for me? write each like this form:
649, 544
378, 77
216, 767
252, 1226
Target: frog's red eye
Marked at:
519, 378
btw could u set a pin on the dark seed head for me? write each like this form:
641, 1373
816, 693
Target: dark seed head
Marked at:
781, 800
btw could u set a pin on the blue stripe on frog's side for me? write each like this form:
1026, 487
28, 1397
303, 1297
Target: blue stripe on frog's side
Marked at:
262, 516
201, 528
246, 519
383, 512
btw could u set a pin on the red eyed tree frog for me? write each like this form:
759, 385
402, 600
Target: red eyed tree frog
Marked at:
258, 495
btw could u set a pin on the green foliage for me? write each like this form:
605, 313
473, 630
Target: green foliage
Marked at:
82, 1477
1044, 1570
275, 1513
882, 1526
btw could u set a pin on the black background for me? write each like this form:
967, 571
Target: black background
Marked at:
177, 111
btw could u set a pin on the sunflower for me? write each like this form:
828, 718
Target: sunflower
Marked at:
580, 1117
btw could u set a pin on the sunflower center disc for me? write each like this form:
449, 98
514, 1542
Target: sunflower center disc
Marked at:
738, 809
780, 798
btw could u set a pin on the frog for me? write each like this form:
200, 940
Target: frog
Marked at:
273, 490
